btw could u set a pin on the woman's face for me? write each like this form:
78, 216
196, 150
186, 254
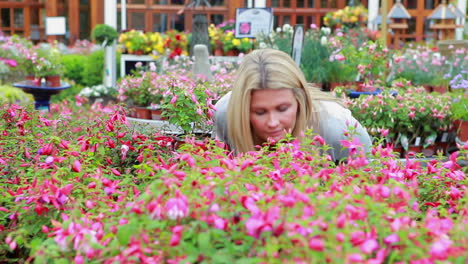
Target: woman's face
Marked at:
272, 113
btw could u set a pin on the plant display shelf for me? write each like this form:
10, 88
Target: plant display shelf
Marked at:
162, 126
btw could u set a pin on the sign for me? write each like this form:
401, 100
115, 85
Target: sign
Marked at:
298, 41
55, 26
253, 21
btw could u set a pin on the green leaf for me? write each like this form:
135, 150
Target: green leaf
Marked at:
248, 260
125, 232
204, 242
35, 244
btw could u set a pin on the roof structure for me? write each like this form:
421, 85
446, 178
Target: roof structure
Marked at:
456, 11
442, 12
398, 11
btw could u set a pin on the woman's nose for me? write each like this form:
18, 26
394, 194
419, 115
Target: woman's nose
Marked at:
272, 121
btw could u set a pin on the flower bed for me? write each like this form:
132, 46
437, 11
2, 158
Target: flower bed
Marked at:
79, 185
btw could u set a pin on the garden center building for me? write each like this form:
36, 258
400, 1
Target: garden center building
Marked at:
26, 17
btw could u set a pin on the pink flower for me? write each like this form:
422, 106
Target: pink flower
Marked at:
177, 207
355, 258
76, 166
244, 28
369, 246
391, 239
439, 249
176, 235
316, 244
174, 99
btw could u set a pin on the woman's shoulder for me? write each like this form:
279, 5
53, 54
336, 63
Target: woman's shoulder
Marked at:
222, 104
332, 109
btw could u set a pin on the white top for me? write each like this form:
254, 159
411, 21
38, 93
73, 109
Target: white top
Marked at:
334, 120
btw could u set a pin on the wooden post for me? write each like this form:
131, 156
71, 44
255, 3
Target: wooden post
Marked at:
232, 5
97, 13
74, 20
27, 21
51, 11
384, 21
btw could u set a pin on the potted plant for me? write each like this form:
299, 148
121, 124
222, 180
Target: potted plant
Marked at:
104, 34
99, 93
215, 33
139, 43
459, 110
49, 65
176, 43
243, 45
187, 103
139, 92
316, 65
348, 17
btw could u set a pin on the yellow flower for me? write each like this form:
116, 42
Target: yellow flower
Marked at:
236, 42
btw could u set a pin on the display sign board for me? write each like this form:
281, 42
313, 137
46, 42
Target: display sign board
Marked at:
252, 21
55, 26
298, 41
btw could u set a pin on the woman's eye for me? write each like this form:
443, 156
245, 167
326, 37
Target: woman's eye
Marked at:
283, 108
259, 112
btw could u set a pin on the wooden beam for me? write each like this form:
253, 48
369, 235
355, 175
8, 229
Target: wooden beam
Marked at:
74, 20
51, 11
97, 13
232, 5
27, 22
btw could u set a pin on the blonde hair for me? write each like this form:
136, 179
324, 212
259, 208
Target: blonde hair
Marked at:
269, 69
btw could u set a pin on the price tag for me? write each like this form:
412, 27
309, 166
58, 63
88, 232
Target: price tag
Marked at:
417, 142
444, 137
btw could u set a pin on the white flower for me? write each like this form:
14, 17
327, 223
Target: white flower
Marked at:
326, 30
278, 30
323, 40
287, 28
262, 45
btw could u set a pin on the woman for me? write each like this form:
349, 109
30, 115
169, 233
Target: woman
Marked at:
271, 98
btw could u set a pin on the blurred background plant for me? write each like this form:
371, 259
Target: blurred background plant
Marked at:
348, 17
176, 42
104, 34
140, 43
421, 65
281, 39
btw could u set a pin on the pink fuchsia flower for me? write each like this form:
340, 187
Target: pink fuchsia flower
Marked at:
355, 258
352, 146
262, 222
369, 246
391, 239
440, 249
177, 207
76, 166
176, 235
316, 244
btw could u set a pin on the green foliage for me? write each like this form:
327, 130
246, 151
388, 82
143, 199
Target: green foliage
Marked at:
188, 110
49, 62
459, 107
104, 34
13, 95
74, 67
93, 72
87, 70
315, 62
270, 206
67, 94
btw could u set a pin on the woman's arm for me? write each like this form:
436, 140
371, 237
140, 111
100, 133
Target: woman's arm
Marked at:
334, 121
220, 119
